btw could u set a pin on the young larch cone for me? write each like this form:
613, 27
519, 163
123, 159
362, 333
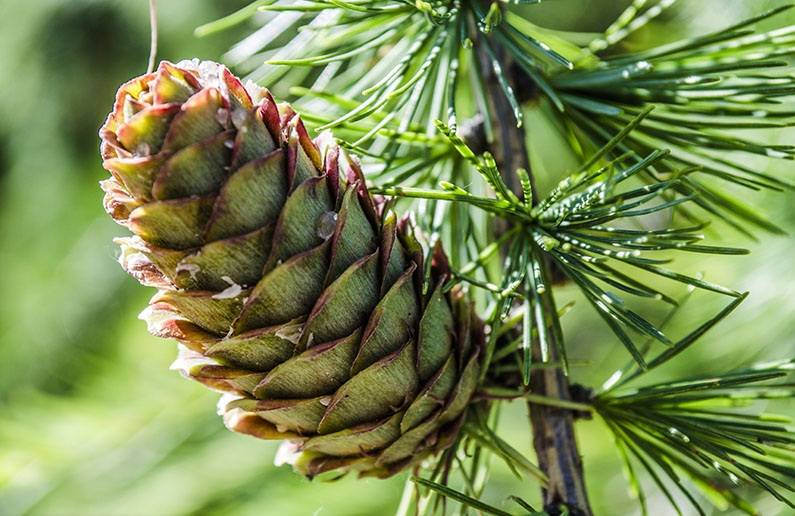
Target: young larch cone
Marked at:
287, 287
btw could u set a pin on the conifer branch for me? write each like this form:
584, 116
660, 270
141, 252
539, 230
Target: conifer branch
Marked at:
700, 429
553, 429
704, 90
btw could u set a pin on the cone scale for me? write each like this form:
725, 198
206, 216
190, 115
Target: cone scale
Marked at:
288, 287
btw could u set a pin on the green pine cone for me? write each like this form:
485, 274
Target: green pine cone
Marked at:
287, 286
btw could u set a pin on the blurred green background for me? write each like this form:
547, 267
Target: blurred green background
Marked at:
91, 419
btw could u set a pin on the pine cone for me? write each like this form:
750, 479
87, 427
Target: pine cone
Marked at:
288, 288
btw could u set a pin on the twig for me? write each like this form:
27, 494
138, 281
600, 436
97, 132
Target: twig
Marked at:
553, 427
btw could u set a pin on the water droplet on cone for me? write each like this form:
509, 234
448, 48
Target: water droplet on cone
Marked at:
326, 224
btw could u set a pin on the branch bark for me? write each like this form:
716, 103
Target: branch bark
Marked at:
553, 428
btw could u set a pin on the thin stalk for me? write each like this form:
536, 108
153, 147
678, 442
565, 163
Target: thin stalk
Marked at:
553, 427
502, 393
557, 402
152, 36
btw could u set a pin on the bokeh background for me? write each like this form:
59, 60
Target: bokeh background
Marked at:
92, 422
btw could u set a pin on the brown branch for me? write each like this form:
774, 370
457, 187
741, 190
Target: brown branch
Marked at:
553, 428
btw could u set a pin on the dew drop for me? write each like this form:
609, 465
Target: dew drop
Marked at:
222, 116
326, 224
676, 433
142, 149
